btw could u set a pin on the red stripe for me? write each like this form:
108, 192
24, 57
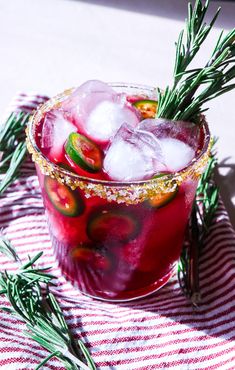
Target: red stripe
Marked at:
221, 365
226, 260
177, 342
25, 360
211, 367
126, 318
36, 96
171, 363
163, 353
170, 325
215, 245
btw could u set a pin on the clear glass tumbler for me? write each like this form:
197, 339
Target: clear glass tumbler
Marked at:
119, 240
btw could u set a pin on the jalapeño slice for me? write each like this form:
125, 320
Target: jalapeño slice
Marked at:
65, 200
113, 225
96, 257
162, 199
147, 108
84, 152
66, 167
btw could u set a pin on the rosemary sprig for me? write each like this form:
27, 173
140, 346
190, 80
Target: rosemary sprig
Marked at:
31, 300
12, 148
191, 89
205, 205
196, 32
183, 101
12, 171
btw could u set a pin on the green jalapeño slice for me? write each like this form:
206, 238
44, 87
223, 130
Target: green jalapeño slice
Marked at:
84, 152
65, 200
147, 108
162, 199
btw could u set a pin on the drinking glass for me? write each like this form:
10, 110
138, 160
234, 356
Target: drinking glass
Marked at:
113, 240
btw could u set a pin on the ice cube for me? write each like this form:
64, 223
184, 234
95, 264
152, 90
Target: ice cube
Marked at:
179, 140
177, 154
55, 131
133, 155
105, 119
99, 111
187, 132
79, 99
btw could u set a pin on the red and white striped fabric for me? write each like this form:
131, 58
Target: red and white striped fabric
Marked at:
159, 332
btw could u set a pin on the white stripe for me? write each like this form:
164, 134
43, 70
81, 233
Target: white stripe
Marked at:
22, 355
114, 322
170, 325
166, 364
21, 213
210, 266
215, 238
195, 351
225, 270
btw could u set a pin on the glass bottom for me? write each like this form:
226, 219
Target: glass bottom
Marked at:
121, 284
127, 295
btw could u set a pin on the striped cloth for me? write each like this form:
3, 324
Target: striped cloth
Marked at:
159, 332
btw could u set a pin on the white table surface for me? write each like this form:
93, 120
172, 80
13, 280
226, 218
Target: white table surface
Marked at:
49, 45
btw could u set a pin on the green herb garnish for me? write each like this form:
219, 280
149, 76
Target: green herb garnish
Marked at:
204, 208
12, 148
193, 88
28, 292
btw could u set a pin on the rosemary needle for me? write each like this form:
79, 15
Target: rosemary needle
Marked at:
31, 300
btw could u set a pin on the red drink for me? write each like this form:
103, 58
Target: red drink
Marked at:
117, 240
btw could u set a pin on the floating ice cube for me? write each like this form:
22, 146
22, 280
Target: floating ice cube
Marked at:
179, 140
133, 155
55, 131
177, 154
80, 100
99, 111
106, 118
92, 86
187, 132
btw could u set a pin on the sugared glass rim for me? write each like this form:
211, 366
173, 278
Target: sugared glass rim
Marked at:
129, 191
